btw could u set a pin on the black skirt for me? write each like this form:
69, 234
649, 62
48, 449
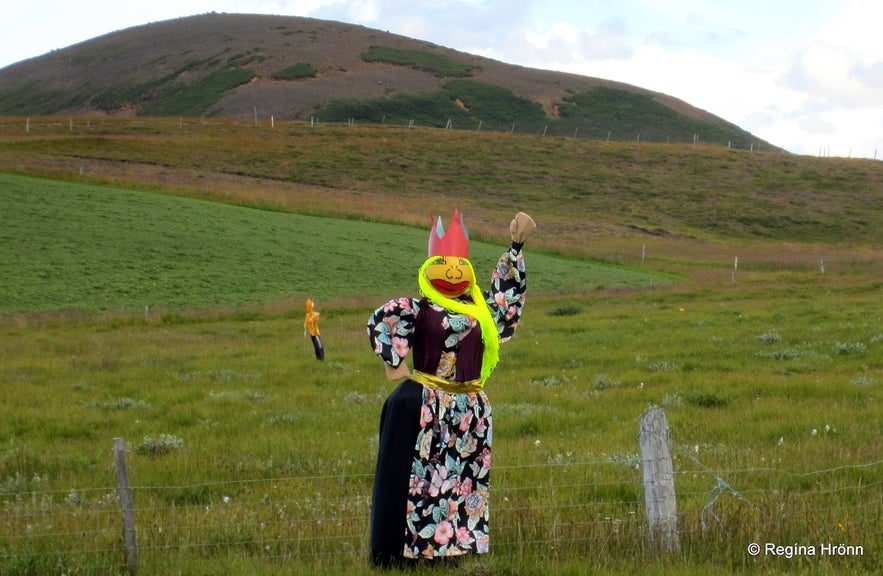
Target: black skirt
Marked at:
399, 426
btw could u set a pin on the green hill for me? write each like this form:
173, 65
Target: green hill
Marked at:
299, 68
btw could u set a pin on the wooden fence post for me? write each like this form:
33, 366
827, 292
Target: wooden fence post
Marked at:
119, 453
659, 484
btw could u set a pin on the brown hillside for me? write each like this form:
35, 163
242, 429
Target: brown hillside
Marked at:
187, 47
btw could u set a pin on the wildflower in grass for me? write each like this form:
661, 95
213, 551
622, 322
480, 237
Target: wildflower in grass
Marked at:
355, 398
164, 444
602, 382
845, 348
73, 496
770, 337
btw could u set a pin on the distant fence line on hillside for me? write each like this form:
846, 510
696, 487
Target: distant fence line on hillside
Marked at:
578, 133
544, 132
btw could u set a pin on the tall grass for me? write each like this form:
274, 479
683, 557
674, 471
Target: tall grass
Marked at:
258, 433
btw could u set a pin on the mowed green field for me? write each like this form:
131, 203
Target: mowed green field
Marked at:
80, 247
249, 456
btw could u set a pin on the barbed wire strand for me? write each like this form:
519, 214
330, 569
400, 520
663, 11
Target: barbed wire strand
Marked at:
512, 499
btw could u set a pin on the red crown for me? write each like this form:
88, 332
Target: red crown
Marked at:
454, 242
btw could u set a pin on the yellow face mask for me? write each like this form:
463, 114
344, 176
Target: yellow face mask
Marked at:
452, 276
475, 306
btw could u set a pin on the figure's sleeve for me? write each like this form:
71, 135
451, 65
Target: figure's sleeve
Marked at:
391, 329
508, 287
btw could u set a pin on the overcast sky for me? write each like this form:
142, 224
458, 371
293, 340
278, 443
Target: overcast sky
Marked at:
806, 75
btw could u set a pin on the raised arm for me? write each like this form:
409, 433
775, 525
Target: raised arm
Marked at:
509, 280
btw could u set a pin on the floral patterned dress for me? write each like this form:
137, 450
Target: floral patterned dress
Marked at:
433, 468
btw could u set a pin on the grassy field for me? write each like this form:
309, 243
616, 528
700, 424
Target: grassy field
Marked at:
588, 194
93, 249
248, 456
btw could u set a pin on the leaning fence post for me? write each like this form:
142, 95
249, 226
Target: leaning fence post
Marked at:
119, 453
659, 484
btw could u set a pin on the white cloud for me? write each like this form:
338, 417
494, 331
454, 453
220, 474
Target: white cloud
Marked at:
830, 72
855, 24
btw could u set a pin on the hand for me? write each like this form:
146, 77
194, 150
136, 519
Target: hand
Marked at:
521, 227
398, 373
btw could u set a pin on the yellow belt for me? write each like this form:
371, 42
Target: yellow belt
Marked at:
445, 385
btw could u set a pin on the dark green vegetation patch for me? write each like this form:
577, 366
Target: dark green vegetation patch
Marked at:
296, 72
465, 103
195, 99
441, 66
602, 113
619, 114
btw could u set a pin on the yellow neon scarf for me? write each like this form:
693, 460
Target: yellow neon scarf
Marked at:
477, 309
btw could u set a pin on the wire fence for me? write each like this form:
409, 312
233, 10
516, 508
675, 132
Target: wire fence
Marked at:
57, 124
660, 135
559, 509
